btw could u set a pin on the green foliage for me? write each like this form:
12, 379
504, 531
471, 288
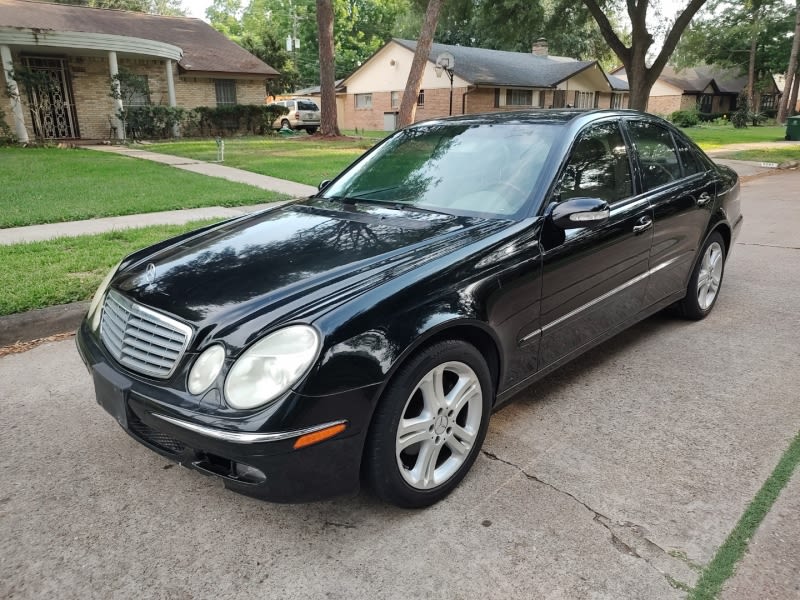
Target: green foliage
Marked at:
154, 121
6, 135
685, 118
237, 118
155, 7
742, 115
721, 35
35, 88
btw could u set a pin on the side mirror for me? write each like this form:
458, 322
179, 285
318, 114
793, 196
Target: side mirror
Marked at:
323, 184
580, 212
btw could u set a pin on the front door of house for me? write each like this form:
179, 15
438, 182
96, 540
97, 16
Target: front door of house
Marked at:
50, 98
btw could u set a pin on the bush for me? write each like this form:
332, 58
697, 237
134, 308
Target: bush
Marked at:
685, 118
6, 135
237, 118
741, 116
154, 121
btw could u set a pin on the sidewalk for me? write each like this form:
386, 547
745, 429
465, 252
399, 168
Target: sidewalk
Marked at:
265, 182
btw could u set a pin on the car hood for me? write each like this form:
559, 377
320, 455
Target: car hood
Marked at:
289, 262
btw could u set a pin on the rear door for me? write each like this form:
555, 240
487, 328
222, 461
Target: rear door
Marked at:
681, 189
593, 279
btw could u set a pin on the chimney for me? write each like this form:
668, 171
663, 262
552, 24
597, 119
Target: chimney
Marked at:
539, 47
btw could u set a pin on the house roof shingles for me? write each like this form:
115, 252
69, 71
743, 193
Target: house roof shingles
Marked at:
204, 48
498, 67
696, 79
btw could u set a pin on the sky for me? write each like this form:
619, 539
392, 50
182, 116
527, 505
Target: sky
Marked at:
196, 8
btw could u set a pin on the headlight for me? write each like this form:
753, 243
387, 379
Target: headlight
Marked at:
271, 366
94, 307
206, 368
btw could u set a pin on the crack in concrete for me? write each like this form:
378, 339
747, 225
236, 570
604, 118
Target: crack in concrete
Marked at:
768, 245
598, 518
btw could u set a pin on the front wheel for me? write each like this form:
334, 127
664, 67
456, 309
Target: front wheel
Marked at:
429, 425
706, 279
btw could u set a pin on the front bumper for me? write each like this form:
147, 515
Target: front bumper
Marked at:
260, 461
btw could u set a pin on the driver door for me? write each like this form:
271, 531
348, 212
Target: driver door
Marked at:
594, 278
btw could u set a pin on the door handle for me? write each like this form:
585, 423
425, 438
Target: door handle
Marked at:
703, 199
644, 224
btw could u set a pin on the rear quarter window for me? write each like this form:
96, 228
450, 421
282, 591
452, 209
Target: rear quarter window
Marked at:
306, 105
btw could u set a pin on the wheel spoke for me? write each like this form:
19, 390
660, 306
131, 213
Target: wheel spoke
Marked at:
412, 431
467, 438
463, 392
432, 388
425, 466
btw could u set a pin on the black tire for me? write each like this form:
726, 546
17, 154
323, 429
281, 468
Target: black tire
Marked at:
384, 462
285, 124
690, 307
311, 130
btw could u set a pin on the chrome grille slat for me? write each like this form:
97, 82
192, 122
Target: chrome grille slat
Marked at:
142, 339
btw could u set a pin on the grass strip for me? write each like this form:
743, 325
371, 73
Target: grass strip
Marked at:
712, 137
41, 274
303, 159
52, 185
722, 566
768, 155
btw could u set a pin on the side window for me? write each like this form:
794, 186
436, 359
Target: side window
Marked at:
691, 164
598, 166
657, 155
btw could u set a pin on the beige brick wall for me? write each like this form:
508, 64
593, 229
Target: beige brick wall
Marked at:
664, 105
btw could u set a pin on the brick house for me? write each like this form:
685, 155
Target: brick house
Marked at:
483, 81
186, 63
709, 89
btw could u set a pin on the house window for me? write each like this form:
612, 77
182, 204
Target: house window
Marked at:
363, 100
519, 97
395, 99
584, 100
421, 99
767, 101
704, 103
135, 93
617, 100
559, 98
226, 91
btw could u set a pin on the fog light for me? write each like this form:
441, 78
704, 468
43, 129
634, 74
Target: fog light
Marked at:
248, 474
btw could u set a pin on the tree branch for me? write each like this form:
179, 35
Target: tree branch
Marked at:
607, 31
673, 37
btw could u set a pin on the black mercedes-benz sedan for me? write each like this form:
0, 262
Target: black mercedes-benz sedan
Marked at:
367, 332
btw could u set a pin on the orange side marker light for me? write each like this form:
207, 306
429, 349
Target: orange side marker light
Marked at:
310, 439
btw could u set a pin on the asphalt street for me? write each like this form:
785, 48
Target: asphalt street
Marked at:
616, 477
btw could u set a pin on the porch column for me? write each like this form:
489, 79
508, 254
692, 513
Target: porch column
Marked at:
16, 104
114, 70
171, 93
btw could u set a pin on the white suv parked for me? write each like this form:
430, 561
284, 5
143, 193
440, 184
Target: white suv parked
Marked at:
303, 114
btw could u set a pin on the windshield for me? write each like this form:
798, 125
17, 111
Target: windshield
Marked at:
487, 169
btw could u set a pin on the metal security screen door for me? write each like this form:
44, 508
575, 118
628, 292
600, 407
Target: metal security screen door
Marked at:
50, 99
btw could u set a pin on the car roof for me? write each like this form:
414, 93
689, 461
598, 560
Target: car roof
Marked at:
555, 116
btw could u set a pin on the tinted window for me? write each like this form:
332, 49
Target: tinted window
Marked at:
306, 105
691, 163
598, 166
657, 155
466, 169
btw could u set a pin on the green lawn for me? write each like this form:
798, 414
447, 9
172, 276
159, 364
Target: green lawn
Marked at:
69, 269
302, 158
50, 185
712, 137
770, 155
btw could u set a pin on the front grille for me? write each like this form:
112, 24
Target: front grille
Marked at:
153, 437
140, 338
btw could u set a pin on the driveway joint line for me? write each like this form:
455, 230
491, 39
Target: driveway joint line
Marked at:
768, 245
604, 522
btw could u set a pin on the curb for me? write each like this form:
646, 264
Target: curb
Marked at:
42, 322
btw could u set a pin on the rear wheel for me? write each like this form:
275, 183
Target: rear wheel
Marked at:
706, 279
285, 124
429, 425
312, 130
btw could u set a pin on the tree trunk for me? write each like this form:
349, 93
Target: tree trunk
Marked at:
640, 77
785, 108
329, 125
751, 65
793, 98
408, 106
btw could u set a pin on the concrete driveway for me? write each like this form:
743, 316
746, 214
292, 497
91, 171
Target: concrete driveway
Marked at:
613, 478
